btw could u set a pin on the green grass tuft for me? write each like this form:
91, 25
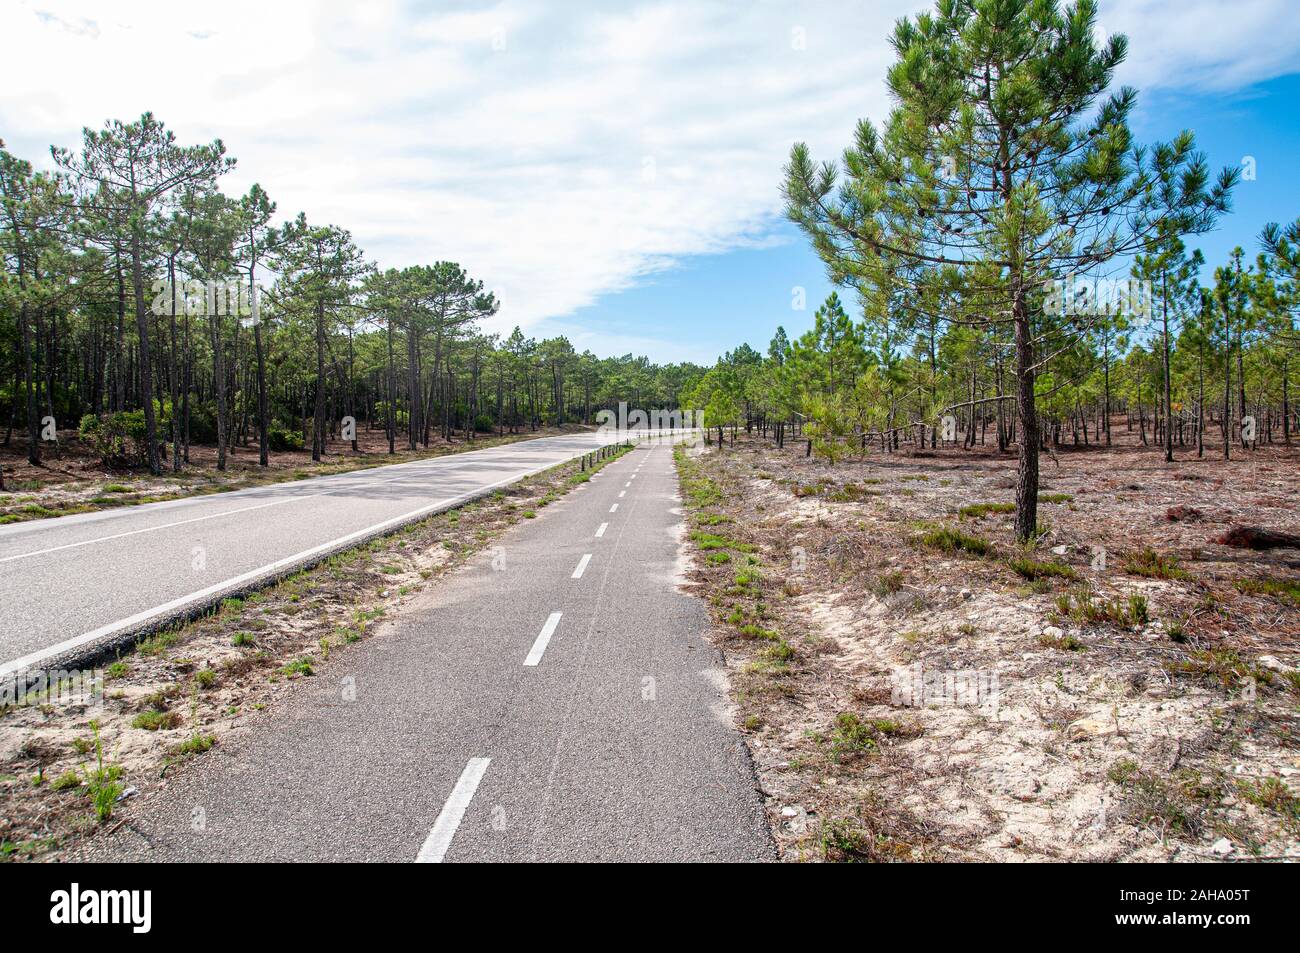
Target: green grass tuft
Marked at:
954, 541
981, 510
1284, 590
1033, 569
154, 720
1153, 565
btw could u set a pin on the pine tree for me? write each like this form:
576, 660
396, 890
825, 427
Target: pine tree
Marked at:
256, 240
128, 170
323, 270
995, 164
1171, 273
32, 207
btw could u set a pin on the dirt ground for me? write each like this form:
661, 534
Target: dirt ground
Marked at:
184, 690
914, 685
70, 479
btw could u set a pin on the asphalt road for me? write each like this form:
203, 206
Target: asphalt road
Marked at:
565, 707
94, 579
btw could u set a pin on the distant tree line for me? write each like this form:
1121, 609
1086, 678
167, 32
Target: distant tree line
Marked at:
142, 305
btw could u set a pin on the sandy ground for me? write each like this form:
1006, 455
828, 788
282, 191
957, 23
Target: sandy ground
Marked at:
1136, 700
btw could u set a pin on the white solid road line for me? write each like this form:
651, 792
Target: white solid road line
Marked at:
600, 531
543, 639
152, 529
34, 658
444, 828
582, 566
614, 508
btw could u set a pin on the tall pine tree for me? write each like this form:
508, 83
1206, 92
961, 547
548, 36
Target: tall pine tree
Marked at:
999, 163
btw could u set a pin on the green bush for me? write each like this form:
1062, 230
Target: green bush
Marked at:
281, 440
118, 439
203, 423
400, 419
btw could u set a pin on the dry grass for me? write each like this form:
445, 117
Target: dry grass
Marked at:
1142, 674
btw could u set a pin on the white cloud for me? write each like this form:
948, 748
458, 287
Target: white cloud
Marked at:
558, 152
1204, 44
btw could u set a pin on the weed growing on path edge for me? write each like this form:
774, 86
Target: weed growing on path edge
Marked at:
102, 784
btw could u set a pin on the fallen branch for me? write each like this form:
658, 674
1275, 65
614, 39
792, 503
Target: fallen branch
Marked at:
1255, 537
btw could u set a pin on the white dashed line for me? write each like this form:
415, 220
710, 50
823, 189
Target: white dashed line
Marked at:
622, 493
444, 828
18, 665
614, 508
582, 566
601, 529
543, 639
627, 484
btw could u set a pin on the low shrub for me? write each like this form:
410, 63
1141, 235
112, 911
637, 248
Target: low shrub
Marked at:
119, 439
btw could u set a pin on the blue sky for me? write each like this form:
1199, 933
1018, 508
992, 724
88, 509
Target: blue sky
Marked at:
709, 304
610, 168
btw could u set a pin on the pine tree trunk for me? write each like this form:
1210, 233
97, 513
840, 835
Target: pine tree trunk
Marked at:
1027, 470
318, 421
263, 416
146, 363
